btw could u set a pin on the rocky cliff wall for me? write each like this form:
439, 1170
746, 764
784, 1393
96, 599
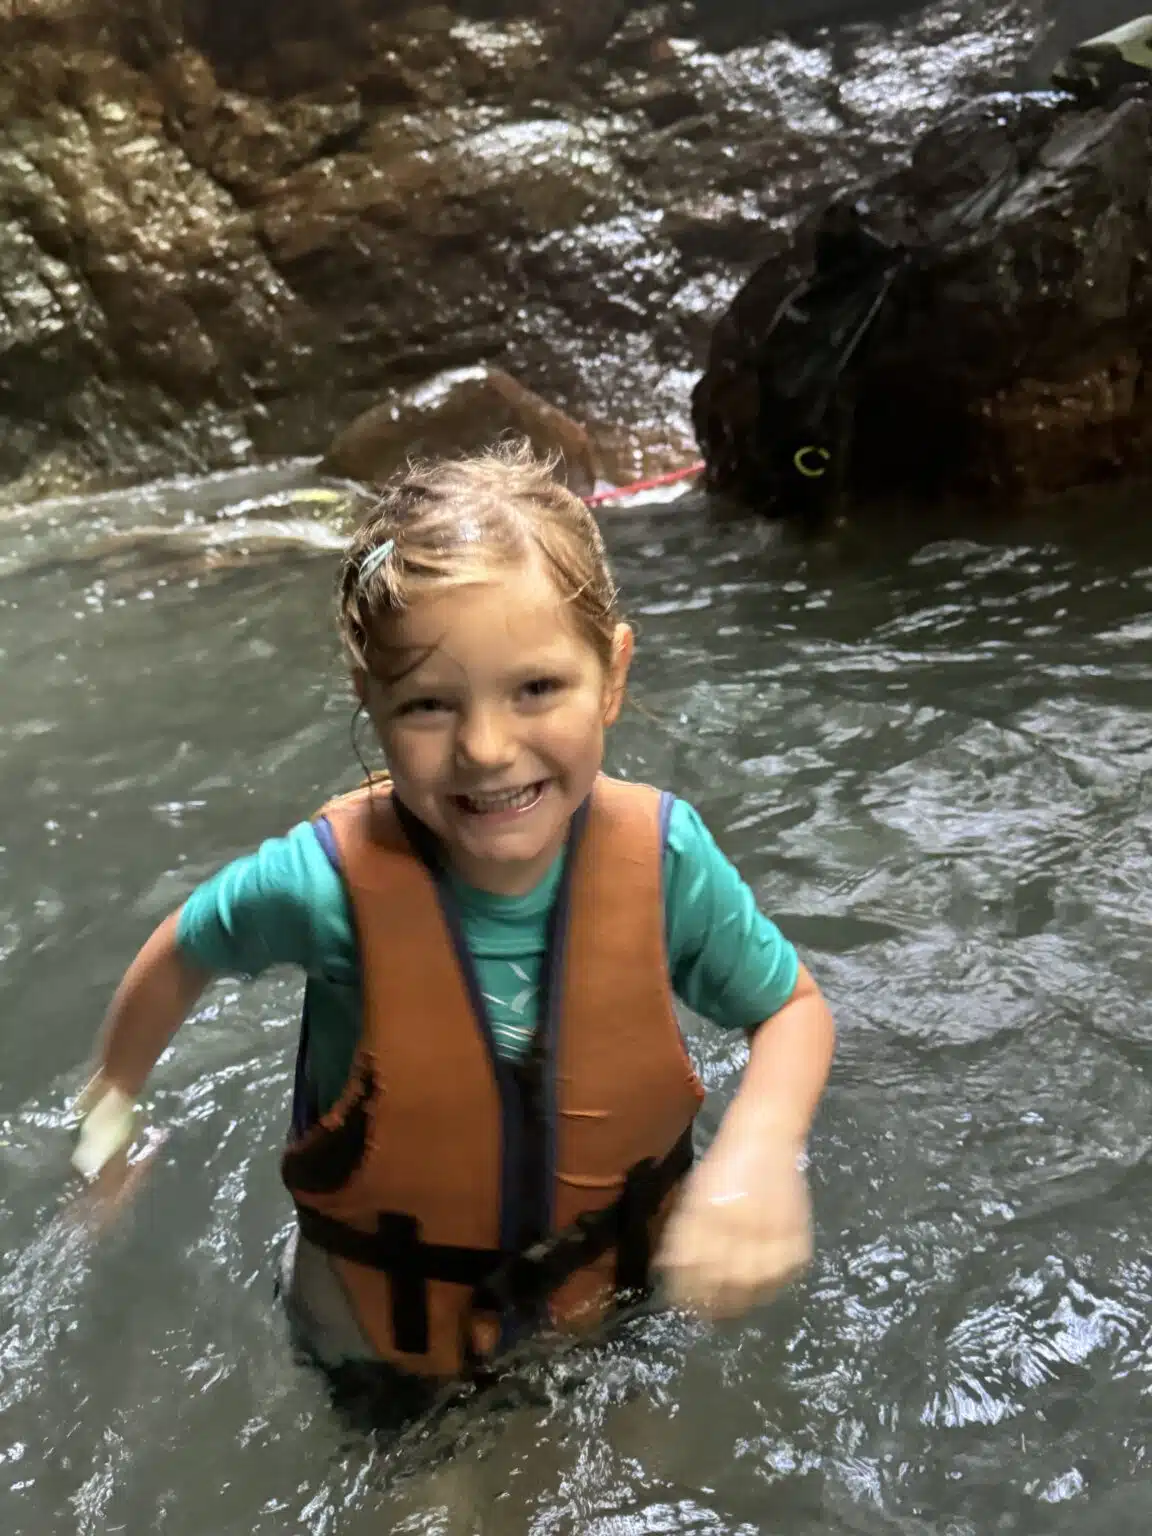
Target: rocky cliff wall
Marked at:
227, 225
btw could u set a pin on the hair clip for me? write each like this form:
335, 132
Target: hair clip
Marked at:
374, 560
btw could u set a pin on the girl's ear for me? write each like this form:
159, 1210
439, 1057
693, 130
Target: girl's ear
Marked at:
616, 683
360, 684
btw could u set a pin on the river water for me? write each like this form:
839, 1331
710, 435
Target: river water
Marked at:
928, 750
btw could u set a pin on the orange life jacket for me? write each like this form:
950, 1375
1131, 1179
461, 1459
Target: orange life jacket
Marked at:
465, 1200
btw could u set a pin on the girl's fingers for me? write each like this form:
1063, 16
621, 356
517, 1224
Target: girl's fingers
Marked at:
721, 1274
113, 1191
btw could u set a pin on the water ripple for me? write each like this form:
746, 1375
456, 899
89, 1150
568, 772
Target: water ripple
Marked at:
931, 761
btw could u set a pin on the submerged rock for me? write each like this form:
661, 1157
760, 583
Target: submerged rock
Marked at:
458, 412
1010, 343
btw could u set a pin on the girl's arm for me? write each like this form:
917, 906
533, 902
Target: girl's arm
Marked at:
158, 992
743, 1228
156, 995
283, 904
788, 1065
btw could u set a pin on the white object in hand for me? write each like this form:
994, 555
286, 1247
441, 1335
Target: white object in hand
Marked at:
107, 1128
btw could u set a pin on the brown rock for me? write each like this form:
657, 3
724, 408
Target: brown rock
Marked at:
979, 323
244, 142
463, 410
227, 225
583, 25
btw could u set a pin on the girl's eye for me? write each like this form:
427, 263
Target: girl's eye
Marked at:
541, 687
427, 706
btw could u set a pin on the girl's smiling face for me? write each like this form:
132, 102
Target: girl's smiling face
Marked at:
496, 733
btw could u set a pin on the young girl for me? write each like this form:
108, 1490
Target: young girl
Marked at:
493, 1109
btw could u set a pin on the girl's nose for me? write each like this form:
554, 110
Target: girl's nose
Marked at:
484, 738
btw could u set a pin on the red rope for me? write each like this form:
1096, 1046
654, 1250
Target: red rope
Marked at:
645, 485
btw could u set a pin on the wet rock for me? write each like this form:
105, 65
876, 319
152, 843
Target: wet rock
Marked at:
1010, 353
584, 26
462, 411
732, 23
242, 141
226, 226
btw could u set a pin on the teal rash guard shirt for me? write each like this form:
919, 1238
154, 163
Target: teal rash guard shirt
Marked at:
285, 904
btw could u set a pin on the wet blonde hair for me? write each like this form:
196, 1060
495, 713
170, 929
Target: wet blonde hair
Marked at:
463, 521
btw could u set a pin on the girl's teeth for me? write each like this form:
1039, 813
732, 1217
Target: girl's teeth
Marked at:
512, 800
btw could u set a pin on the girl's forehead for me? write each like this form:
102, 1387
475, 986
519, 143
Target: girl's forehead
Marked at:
523, 596
508, 619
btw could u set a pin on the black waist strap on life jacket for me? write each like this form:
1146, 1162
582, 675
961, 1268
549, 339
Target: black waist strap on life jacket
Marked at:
501, 1280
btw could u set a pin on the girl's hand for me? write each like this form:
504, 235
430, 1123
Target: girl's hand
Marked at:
107, 1126
108, 1129
112, 1193
743, 1228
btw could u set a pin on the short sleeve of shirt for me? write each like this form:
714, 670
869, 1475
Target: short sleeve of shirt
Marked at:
282, 905
727, 961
